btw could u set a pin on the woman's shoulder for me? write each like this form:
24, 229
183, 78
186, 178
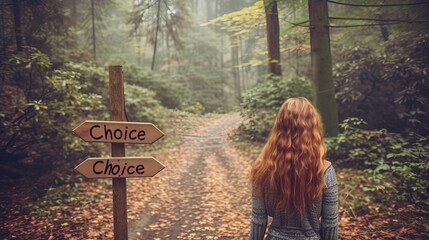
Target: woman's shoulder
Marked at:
326, 165
329, 172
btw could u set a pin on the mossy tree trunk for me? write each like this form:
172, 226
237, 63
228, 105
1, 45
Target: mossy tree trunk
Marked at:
272, 19
323, 85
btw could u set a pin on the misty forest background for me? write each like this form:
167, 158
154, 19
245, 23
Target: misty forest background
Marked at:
188, 58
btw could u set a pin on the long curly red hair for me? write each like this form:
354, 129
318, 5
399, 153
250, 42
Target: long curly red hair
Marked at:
290, 166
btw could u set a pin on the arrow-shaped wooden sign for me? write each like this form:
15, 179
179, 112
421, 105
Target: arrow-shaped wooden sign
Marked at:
119, 167
118, 132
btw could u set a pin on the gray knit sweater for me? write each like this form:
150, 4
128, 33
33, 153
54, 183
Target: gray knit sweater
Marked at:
318, 222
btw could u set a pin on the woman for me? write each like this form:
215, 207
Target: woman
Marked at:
291, 180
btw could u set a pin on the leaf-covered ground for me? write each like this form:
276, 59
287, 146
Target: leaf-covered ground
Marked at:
203, 193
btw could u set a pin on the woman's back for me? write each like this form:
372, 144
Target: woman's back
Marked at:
291, 180
317, 222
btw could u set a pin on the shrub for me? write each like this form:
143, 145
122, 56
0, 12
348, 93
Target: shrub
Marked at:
37, 113
168, 92
142, 106
356, 146
261, 104
398, 164
385, 86
207, 86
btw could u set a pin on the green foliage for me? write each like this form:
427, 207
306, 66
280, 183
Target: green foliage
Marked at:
59, 200
168, 92
241, 23
170, 23
351, 193
390, 87
36, 112
205, 81
142, 100
93, 80
356, 147
206, 85
195, 108
141, 105
261, 104
398, 164
93, 77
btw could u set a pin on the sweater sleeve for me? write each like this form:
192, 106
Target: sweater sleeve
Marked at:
259, 216
329, 226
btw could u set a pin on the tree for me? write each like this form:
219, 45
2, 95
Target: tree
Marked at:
321, 61
17, 21
168, 17
245, 29
156, 34
41, 24
93, 22
94, 48
272, 19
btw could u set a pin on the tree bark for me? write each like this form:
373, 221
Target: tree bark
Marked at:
242, 74
74, 10
236, 72
156, 35
94, 51
272, 19
17, 22
321, 61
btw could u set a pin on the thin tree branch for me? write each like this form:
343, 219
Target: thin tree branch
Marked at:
379, 20
373, 24
300, 24
166, 4
363, 25
145, 7
23, 146
10, 142
377, 5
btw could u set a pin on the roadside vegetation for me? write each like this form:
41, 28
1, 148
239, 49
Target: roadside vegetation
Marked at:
186, 61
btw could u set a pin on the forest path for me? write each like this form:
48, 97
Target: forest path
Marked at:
203, 192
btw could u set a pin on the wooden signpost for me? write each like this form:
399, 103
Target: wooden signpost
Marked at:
118, 167
118, 132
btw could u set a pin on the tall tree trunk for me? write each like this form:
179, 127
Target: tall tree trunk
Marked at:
156, 35
296, 43
209, 10
236, 72
240, 62
3, 42
272, 19
167, 45
94, 51
139, 47
74, 10
221, 50
220, 11
384, 33
17, 22
323, 85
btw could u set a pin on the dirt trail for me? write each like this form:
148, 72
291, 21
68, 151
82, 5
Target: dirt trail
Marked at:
203, 192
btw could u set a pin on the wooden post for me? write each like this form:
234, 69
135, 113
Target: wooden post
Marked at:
119, 185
